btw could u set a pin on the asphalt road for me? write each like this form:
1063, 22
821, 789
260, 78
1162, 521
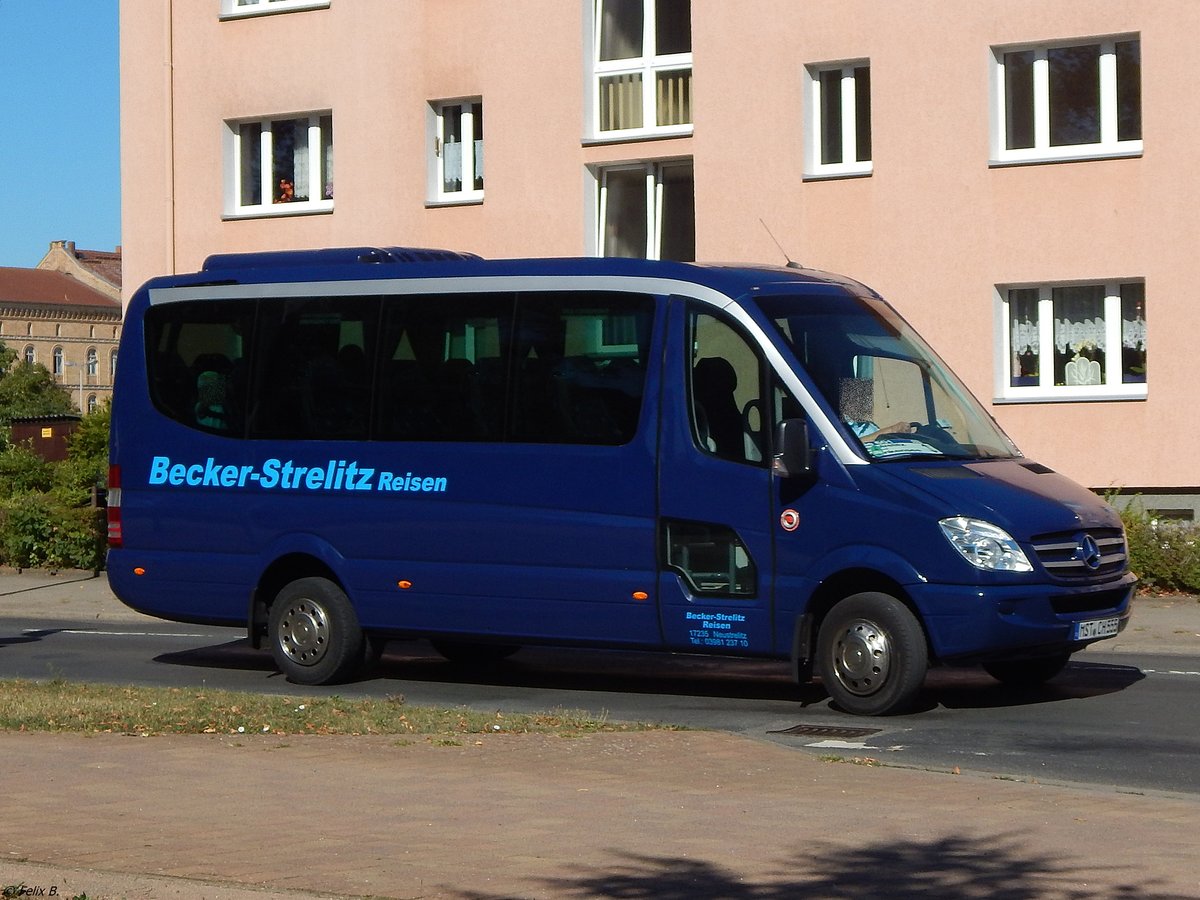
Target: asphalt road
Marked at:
1129, 721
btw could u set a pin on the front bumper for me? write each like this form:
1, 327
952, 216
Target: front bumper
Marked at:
974, 624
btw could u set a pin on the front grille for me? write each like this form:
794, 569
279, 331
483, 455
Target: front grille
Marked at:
1089, 554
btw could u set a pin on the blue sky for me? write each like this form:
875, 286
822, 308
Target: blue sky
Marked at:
59, 127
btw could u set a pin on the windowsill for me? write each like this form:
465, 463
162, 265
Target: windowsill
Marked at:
832, 173
1096, 393
465, 200
632, 136
280, 210
1081, 153
271, 9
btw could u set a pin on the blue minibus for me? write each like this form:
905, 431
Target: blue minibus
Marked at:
334, 448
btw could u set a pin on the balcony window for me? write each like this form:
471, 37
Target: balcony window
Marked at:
646, 211
641, 68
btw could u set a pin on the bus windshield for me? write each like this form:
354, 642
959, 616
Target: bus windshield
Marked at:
888, 388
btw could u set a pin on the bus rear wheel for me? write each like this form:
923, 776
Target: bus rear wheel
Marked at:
314, 633
871, 655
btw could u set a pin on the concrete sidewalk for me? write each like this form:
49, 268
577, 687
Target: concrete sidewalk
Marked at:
654, 814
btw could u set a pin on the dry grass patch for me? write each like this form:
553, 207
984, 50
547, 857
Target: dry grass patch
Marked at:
63, 706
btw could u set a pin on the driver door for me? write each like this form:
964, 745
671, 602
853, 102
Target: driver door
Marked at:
716, 552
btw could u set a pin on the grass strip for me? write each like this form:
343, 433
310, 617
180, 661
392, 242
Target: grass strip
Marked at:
62, 706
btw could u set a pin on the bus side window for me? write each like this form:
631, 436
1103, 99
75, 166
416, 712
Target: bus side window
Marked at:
312, 368
442, 375
195, 363
580, 367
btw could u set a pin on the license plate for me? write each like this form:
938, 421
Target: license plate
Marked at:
1097, 628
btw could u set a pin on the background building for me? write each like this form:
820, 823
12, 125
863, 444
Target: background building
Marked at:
66, 315
1007, 172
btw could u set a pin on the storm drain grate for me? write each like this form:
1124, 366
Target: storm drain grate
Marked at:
827, 731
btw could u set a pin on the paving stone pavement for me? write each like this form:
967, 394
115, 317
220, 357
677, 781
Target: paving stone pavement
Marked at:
637, 815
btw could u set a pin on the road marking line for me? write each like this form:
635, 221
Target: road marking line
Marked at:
119, 633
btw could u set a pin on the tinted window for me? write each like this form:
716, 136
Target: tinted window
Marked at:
539, 368
443, 373
312, 368
195, 357
579, 367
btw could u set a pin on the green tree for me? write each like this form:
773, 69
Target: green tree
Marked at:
28, 390
86, 465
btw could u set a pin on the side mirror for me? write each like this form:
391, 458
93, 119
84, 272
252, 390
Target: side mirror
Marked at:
792, 456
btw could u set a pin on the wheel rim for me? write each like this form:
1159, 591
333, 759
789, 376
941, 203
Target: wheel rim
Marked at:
862, 656
304, 632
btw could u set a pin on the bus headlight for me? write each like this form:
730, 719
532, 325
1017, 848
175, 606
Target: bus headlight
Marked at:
984, 545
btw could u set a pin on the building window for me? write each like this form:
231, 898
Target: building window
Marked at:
238, 8
91, 362
456, 166
1067, 101
838, 120
1073, 341
646, 211
279, 166
30, 355
91, 403
58, 362
641, 67
112, 365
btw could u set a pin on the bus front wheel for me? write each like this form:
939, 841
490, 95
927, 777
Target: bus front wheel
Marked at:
871, 655
315, 635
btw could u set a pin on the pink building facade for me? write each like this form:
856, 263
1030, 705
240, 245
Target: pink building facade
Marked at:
1009, 173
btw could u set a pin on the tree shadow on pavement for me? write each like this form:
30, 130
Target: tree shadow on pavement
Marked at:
998, 867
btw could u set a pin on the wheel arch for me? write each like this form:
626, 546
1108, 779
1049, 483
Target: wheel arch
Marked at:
280, 572
829, 592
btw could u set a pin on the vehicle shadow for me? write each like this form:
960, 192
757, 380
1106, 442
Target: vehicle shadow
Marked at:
29, 637
629, 672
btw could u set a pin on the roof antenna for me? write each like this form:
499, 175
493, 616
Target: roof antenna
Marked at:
792, 264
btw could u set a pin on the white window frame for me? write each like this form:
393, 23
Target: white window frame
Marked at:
234, 209
232, 9
1046, 390
653, 173
1041, 152
850, 166
436, 192
650, 65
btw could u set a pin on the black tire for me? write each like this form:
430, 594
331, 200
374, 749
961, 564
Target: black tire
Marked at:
466, 653
1027, 673
871, 655
314, 633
